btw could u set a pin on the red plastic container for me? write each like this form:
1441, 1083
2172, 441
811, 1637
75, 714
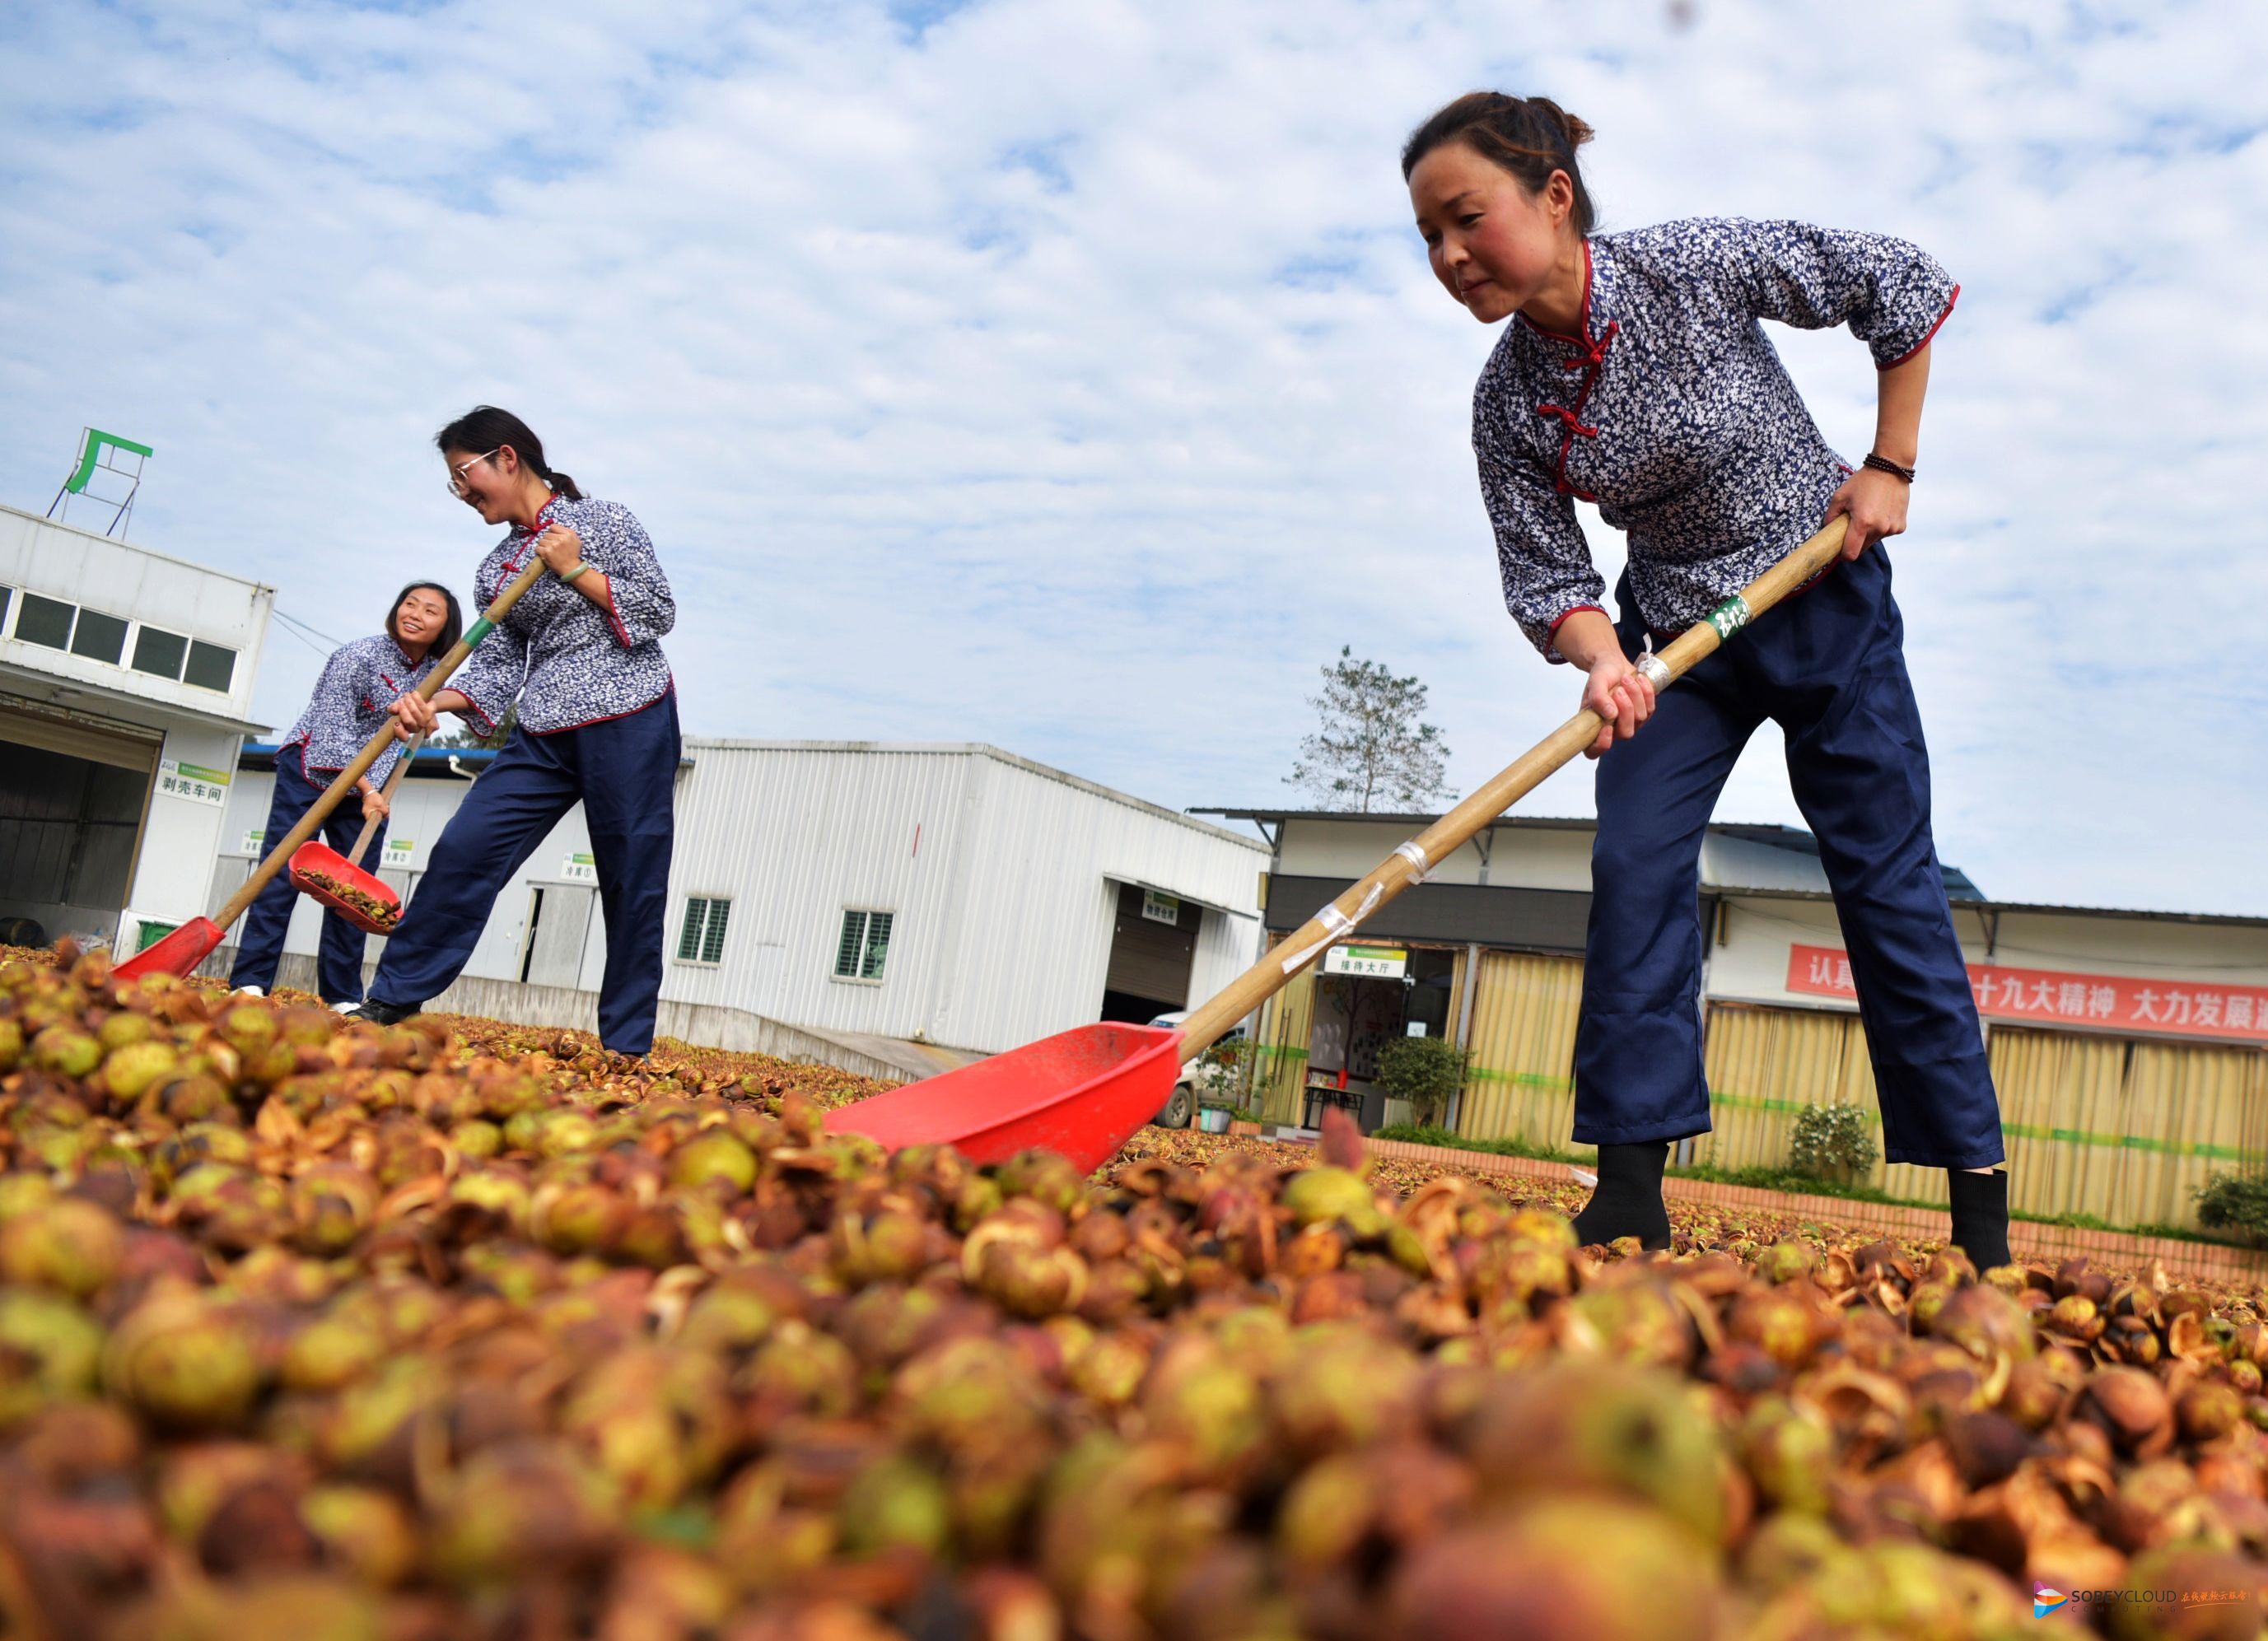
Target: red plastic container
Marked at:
320, 857
1081, 1093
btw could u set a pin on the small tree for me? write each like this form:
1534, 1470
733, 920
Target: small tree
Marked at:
1426, 1071
1371, 747
1831, 1143
2236, 1202
1222, 1074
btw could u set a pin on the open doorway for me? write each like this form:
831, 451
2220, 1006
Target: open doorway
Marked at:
1365, 998
72, 802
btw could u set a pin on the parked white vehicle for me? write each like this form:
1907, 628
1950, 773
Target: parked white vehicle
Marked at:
1181, 1108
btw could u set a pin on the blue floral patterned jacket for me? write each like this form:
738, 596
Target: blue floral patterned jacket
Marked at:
359, 683
568, 661
1672, 412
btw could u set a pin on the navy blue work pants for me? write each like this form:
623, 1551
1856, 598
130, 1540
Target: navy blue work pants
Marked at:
259, 947
1829, 668
623, 771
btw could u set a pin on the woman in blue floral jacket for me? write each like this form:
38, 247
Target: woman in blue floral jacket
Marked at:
358, 687
580, 654
1635, 375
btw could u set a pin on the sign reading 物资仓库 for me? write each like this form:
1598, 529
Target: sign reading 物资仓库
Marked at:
1161, 908
1372, 962
2049, 997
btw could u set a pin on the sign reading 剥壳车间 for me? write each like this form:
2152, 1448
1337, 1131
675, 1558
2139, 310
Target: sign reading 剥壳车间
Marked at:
194, 782
2047, 997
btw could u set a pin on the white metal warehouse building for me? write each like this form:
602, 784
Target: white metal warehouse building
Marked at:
890, 908
125, 679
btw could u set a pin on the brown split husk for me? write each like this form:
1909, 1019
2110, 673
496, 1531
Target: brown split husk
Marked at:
384, 914
458, 1329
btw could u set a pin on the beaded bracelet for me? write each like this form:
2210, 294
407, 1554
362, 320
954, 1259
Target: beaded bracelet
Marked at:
1883, 464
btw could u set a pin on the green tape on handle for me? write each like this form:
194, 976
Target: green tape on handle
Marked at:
1729, 617
480, 630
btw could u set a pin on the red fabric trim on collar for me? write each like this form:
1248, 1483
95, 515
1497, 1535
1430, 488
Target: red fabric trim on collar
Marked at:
516, 563
1583, 340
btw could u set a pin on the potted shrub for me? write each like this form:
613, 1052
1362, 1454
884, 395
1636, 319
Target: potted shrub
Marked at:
2235, 1204
1244, 1120
1832, 1142
1220, 1076
1426, 1071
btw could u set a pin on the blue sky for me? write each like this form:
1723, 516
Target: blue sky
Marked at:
1066, 375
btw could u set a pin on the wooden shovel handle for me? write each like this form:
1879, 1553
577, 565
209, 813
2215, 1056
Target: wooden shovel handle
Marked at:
320, 811
1437, 842
369, 822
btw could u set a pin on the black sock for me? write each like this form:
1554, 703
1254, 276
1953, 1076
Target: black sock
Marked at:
1980, 1216
1628, 1199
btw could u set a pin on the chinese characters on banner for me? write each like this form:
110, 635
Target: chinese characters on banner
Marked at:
193, 782
1381, 962
2050, 997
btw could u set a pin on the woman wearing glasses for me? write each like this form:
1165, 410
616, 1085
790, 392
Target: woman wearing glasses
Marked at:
580, 654
358, 684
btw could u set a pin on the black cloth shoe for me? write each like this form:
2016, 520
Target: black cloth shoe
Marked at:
1980, 1216
380, 1013
1627, 1201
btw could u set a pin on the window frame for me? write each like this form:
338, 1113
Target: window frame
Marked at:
701, 931
145, 630
25, 600
864, 946
190, 661
124, 623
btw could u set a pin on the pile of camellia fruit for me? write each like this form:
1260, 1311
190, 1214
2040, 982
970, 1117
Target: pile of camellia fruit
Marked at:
454, 1329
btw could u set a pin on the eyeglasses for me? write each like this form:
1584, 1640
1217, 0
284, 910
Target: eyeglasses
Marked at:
457, 474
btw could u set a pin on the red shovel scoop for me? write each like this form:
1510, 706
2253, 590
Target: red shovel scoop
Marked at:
362, 898
1080, 1092
1083, 1093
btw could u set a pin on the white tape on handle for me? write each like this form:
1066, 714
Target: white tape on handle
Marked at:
1413, 852
1340, 926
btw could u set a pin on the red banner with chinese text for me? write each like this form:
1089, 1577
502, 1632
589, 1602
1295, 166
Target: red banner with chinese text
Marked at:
2047, 997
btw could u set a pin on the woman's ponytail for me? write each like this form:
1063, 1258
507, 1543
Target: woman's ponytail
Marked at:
485, 428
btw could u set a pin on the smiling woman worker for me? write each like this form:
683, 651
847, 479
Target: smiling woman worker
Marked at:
1635, 374
358, 685
581, 654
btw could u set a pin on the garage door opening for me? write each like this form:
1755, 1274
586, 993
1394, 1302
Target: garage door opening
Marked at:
72, 808
1153, 949
558, 928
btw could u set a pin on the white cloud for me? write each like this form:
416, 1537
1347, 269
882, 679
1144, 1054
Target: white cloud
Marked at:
1065, 375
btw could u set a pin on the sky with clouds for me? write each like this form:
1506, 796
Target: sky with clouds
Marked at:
1066, 374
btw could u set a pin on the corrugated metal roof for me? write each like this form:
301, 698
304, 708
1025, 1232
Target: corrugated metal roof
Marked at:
1958, 885
981, 749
